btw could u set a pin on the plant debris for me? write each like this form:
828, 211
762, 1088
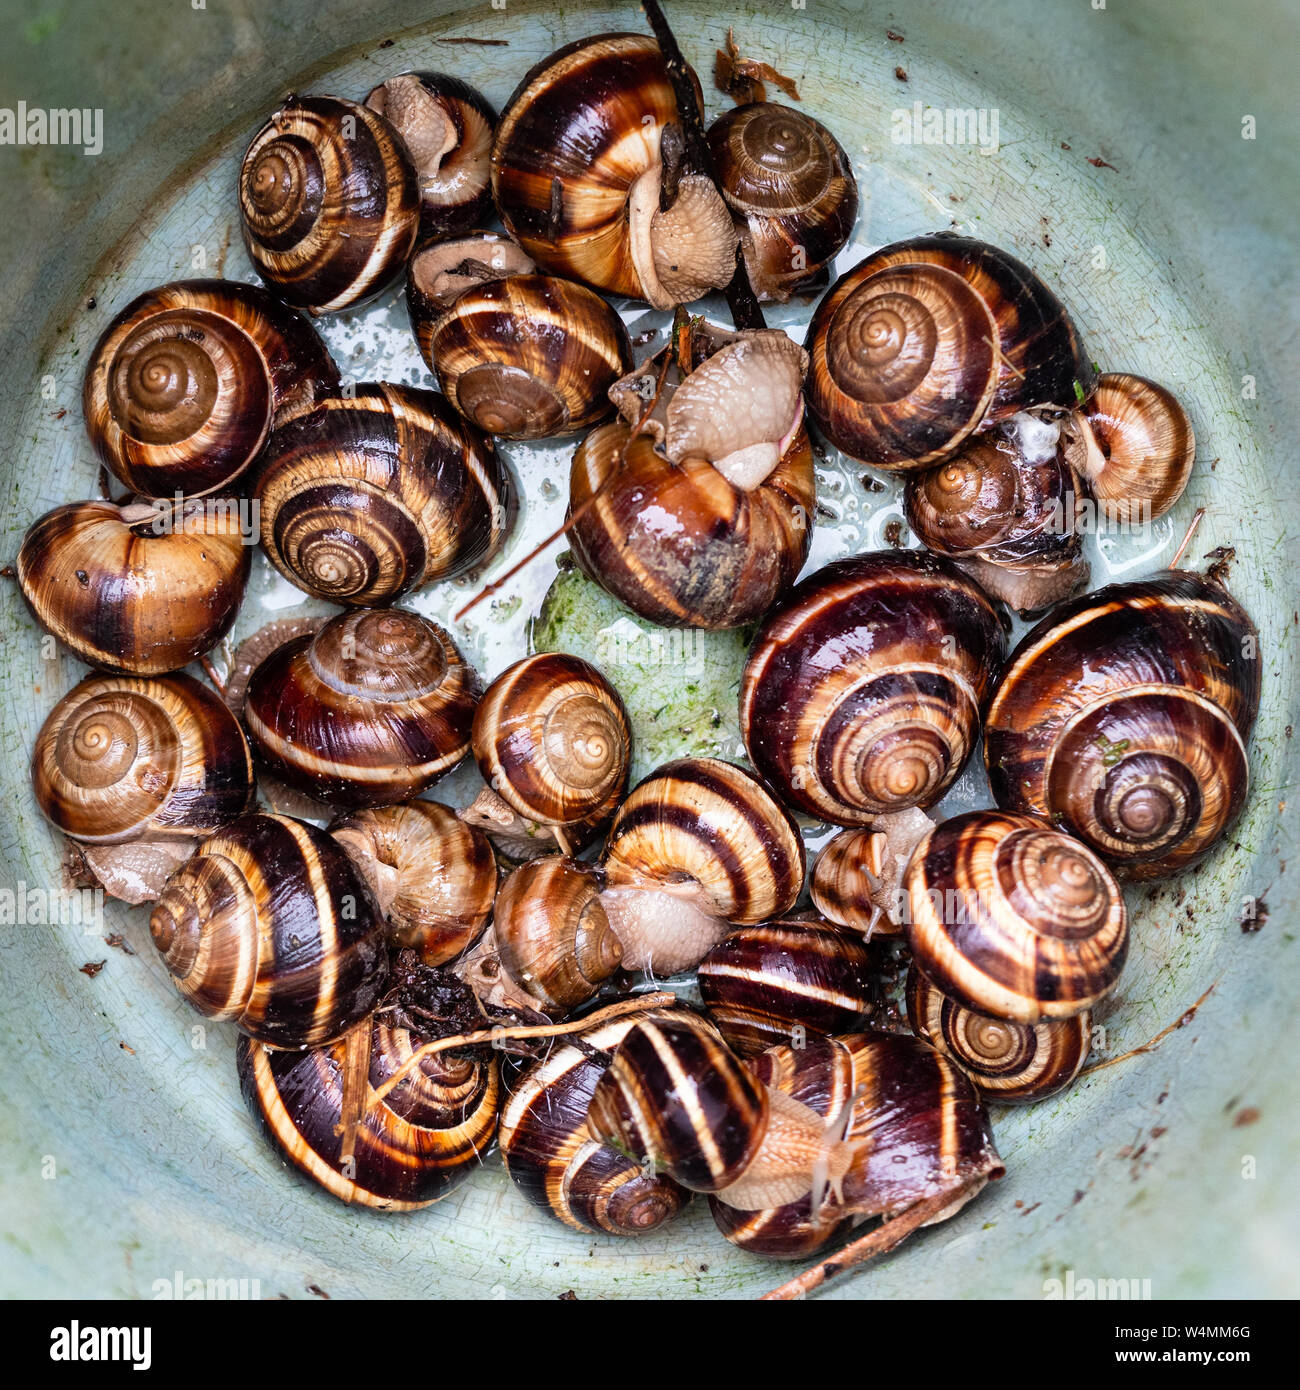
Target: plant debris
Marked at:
743, 79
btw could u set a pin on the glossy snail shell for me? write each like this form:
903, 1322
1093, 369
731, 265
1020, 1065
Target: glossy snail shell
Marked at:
1011, 1063
863, 689
446, 126
136, 589
857, 881
375, 492
525, 356
555, 1161
122, 758
1122, 717
269, 925
433, 876
329, 203
184, 385
791, 188
552, 739
1013, 919
412, 1146
371, 710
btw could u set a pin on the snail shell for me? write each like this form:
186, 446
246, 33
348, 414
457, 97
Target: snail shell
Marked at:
136, 589
411, 1147
329, 203
373, 493
184, 385
1011, 1063
433, 876
1122, 718
858, 879
1013, 919
371, 710
863, 689
791, 188
524, 356
269, 925
552, 739
446, 126
122, 758
557, 1164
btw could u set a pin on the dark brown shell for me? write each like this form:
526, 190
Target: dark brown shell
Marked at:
863, 689
270, 926
186, 382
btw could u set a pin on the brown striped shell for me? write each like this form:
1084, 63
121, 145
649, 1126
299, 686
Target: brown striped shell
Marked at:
121, 758
863, 689
139, 589
699, 843
186, 382
1122, 717
270, 926
1013, 919
768, 984
372, 709
329, 203
413, 1144
525, 356
433, 877
1011, 1063
446, 126
378, 490
555, 1161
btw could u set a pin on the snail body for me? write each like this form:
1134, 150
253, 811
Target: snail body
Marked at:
371, 493
857, 881
441, 271
186, 382
372, 709
863, 689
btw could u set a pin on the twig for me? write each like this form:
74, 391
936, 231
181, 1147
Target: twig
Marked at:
213, 676
1187, 539
1151, 1044
356, 1075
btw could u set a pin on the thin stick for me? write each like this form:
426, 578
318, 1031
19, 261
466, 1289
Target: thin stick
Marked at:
216, 680
356, 1076
1152, 1043
562, 840
1187, 539
886, 1237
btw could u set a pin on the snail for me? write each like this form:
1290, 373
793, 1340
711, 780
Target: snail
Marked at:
1013, 919
556, 1163
186, 382
928, 340
1134, 444
590, 176
1011, 1063
522, 356
376, 491
433, 877
1004, 508
441, 271
270, 926
791, 189
1123, 719
372, 709
698, 512
698, 846
767, 984
857, 881
329, 203
863, 689
136, 589
446, 126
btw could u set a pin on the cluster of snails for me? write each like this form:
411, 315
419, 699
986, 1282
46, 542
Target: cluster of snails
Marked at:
371, 961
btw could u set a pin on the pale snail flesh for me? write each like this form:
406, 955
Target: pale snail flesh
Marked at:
857, 881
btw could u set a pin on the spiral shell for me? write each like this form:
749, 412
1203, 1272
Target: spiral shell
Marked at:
863, 689
373, 709
121, 758
858, 878
525, 356
1013, 919
412, 1146
1011, 1063
136, 589
791, 188
557, 1164
329, 203
269, 925
378, 491
552, 738
184, 385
